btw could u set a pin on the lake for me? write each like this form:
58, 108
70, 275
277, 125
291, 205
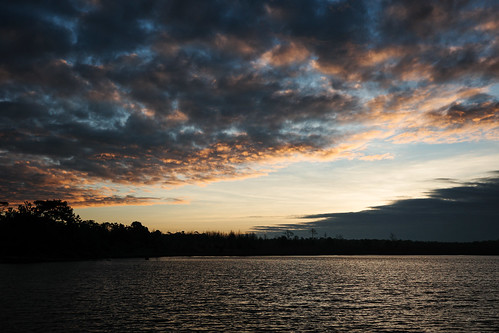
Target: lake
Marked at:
317, 293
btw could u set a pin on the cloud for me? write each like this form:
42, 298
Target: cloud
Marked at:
377, 157
30, 181
467, 212
186, 92
116, 200
285, 54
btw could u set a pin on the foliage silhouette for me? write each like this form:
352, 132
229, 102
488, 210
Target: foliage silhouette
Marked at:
49, 230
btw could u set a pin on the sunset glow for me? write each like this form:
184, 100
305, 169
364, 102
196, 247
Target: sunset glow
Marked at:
247, 115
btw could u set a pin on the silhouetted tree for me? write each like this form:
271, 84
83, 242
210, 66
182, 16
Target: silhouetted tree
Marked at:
313, 232
55, 210
3, 207
49, 230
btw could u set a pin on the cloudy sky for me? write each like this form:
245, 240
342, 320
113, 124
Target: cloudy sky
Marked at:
247, 115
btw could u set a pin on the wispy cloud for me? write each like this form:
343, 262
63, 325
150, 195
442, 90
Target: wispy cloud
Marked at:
377, 157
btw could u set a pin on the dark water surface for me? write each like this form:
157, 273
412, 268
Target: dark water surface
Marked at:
330, 293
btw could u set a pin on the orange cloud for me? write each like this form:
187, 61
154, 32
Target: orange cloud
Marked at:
41, 182
285, 54
376, 56
492, 25
177, 116
128, 200
335, 69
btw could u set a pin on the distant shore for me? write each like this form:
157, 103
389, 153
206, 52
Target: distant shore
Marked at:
188, 244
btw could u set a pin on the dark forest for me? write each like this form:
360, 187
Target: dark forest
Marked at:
49, 230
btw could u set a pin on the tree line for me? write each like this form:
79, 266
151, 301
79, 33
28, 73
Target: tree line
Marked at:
49, 230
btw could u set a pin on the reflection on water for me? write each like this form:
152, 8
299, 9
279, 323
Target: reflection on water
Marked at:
330, 293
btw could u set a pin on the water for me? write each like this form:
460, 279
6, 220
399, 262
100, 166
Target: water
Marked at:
330, 293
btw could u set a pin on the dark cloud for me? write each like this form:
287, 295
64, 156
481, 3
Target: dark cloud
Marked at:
476, 109
461, 213
109, 28
406, 21
29, 32
175, 92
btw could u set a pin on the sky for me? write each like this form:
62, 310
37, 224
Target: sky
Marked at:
256, 116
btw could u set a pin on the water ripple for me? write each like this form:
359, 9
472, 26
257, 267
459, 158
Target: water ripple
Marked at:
306, 294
